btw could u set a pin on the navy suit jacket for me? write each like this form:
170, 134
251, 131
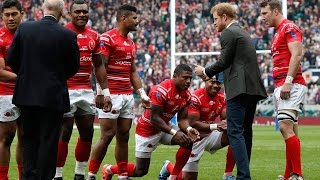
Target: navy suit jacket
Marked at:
44, 55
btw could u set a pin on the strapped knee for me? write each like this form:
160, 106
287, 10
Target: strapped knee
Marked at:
286, 115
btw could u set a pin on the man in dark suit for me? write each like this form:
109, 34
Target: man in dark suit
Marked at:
242, 81
44, 55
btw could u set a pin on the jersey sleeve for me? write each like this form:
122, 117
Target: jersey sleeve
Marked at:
97, 48
2, 49
195, 105
158, 96
293, 33
105, 44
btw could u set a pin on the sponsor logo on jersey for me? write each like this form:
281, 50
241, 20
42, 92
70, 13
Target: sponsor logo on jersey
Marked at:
120, 49
84, 48
123, 63
86, 59
81, 36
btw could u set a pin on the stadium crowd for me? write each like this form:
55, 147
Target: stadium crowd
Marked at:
194, 33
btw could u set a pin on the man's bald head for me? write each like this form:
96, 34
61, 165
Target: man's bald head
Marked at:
53, 7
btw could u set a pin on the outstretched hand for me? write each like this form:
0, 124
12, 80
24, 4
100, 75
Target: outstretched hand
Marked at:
199, 72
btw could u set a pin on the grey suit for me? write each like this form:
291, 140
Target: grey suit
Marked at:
244, 88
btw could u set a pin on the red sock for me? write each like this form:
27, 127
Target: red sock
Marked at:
130, 169
230, 161
180, 176
182, 157
20, 166
94, 166
114, 169
62, 153
294, 149
82, 151
122, 168
170, 167
288, 170
4, 172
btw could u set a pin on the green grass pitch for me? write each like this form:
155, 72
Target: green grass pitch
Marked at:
267, 162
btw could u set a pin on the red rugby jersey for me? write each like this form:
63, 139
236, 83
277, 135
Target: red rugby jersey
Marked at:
286, 32
167, 96
89, 44
6, 37
209, 108
121, 52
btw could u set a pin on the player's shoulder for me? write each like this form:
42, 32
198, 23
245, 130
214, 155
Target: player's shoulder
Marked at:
198, 91
163, 87
3, 32
109, 36
166, 84
111, 33
91, 31
289, 26
220, 97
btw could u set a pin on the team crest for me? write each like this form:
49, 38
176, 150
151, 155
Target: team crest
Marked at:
92, 44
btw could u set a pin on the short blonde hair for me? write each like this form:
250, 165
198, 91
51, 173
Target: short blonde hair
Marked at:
224, 8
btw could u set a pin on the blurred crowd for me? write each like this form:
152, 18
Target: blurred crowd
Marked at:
195, 33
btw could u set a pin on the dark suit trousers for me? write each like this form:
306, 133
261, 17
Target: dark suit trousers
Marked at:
41, 130
240, 115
